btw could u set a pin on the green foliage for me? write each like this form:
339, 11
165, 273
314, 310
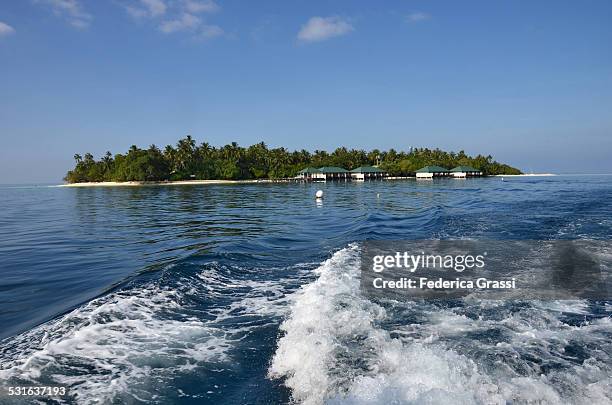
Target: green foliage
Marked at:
204, 162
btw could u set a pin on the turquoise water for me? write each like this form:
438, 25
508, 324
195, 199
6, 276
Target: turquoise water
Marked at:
249, 294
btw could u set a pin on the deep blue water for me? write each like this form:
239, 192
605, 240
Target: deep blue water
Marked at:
250, 294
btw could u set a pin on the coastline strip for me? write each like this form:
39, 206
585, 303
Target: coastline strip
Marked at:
201, 182
163, 183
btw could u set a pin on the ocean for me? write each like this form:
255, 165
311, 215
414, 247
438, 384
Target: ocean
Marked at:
249, 294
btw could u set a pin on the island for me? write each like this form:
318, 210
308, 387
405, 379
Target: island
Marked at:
188, 161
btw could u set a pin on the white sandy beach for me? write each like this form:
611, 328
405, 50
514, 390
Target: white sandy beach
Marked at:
160, 183
525, 175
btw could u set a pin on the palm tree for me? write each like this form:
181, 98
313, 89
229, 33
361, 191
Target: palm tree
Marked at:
185, 149
107, 161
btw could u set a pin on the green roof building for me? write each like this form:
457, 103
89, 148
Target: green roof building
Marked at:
332, 170
429, 172
311, 174
327, 173
332, 173
368, 173
367, 169
465, 171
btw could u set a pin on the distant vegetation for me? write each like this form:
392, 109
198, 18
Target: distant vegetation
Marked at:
190, 161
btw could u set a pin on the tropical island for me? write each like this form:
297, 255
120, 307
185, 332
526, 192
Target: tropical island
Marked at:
189, 161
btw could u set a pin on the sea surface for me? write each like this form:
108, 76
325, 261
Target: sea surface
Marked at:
231, 294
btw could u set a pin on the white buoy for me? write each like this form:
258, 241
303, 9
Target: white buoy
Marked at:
319, 194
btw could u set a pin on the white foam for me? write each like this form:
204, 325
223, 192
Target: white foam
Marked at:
335, 350
332, 329
111, 344
127, 343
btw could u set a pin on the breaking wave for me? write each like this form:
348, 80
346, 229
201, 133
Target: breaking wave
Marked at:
338, 347
131, 345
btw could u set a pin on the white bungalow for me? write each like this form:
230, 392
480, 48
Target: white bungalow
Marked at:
328, 173
368, 173
465, 171
311, 174
334, 173
429, 172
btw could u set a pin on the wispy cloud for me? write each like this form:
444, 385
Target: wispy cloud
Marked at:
71, 10
210, 31
193, 24
147, 8
173, 16
322, 28
417, 17
6, 29
207, 6
185, 22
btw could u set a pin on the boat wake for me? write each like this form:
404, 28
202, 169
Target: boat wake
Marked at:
339, 347
200, 328
133, 345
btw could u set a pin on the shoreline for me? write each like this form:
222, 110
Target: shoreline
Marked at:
164, 183
525, 175
266, 181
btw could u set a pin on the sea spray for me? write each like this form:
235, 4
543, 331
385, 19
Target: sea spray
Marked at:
333, 350
337, 347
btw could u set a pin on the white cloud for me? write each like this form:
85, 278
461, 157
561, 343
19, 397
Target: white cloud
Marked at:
185, 22
148, 8
210, 31
71, 10
322, 28
6, 29
207, 6
155, 7
180, 16
418, 17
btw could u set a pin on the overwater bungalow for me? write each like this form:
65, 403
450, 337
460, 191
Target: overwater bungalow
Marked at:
465, 171
368, 173
328, 173
429, 172
335, 173
311, 174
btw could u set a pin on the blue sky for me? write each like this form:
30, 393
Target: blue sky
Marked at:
529, 82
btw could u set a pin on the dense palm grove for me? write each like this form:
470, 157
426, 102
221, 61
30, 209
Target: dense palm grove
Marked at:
232, 162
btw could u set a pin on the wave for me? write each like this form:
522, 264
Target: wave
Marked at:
101, 349
339, 347
131, 345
